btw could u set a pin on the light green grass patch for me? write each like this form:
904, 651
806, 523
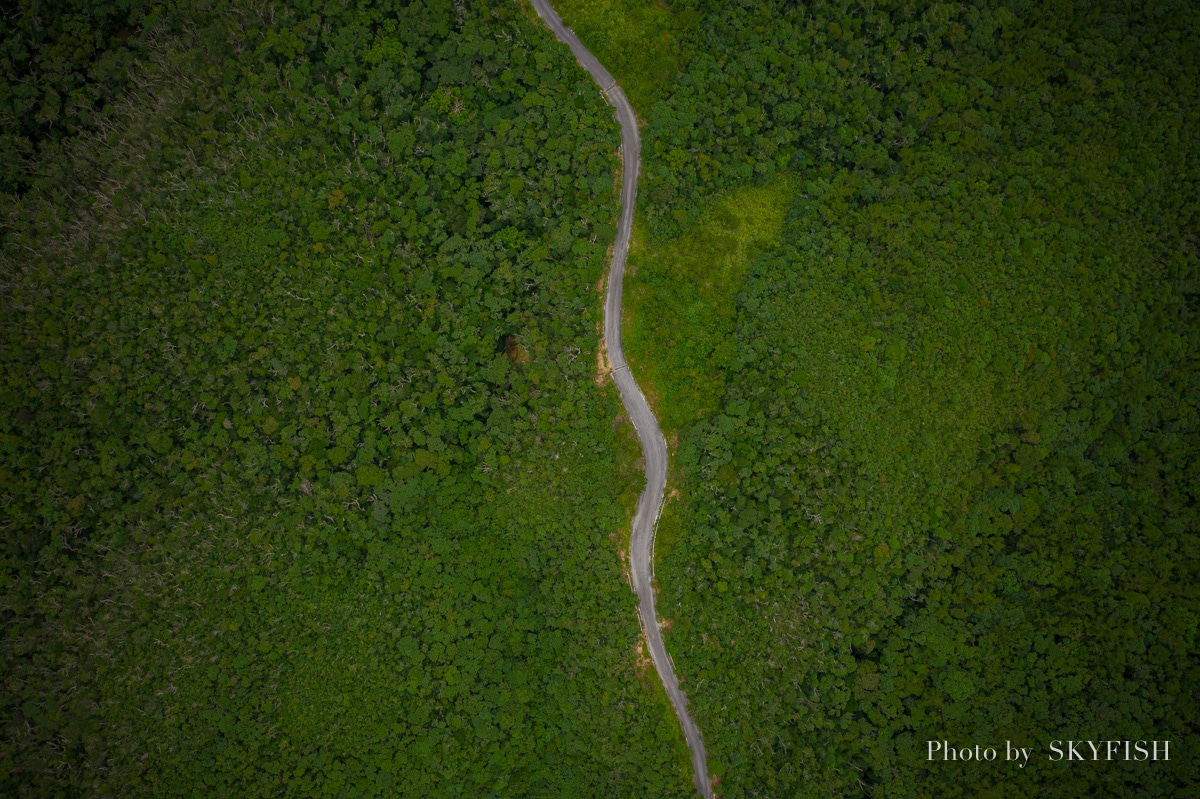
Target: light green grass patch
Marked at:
680, 310
633, 39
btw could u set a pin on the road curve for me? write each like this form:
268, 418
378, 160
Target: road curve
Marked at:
654, 446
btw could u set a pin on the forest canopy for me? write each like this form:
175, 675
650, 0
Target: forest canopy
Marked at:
948, 490
308, 487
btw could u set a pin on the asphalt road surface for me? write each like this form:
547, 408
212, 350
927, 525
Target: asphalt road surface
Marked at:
654, 446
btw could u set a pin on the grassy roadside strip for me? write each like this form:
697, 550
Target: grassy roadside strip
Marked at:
680, 311
635, 41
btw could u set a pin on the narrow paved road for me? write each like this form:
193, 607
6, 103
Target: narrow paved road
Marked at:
654, 446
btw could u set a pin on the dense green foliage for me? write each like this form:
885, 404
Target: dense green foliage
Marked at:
62, 65
308, 489
950, 490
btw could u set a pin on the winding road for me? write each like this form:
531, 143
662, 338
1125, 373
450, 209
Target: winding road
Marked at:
654, 446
